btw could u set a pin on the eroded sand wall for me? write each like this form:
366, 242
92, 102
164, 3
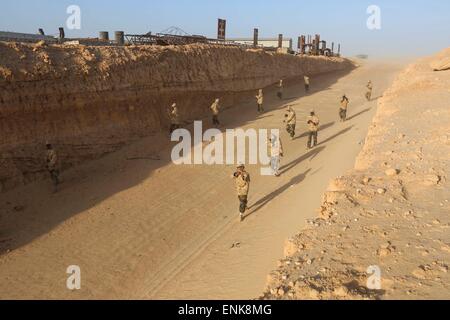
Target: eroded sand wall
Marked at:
89, 101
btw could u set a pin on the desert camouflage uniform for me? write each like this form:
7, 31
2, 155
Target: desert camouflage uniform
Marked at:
306, 83
343, 108
260, 101
291, 122
242, 180
369, 91
313, 124
276, 152
174, 117
52, 166
280, 90
215, 108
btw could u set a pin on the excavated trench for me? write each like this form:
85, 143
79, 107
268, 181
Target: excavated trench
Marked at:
90, 101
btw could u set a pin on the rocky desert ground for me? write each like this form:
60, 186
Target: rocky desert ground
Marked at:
391, 212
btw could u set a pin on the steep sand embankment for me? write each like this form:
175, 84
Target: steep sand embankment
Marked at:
391, 213
89, 101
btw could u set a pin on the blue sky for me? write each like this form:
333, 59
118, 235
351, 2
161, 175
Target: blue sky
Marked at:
409, 27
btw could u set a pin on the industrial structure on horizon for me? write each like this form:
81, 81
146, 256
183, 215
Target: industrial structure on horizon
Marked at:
307, 45
286, 43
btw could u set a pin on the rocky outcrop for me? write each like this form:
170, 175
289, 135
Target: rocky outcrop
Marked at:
89, 101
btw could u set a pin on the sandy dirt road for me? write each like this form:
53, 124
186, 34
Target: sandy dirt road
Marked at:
140, 227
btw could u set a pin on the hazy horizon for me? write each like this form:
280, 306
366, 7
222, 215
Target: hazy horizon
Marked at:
408, 28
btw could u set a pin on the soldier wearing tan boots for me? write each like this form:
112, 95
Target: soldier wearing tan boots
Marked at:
242, 180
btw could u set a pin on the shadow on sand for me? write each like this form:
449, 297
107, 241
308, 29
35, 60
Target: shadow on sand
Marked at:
321, 128
359, 113
264, 201
310, 155
335, 135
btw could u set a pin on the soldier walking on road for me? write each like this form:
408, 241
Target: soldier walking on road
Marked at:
276, 153
242, 180
291, 122
280, 90
52, 165
306, 78
313, 123
369, 91
260, 100
215, 108
343, 108
174, 118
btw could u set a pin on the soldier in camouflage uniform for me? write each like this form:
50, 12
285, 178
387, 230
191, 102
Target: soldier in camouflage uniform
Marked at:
174, 118
343, 108
215, 108
52, 165
276, 153
369, 91
313, 124
242, 180
260, 101
291, 122
280, 90
306, 78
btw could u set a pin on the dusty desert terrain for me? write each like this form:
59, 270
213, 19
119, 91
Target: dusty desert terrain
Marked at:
140, 227
391, 211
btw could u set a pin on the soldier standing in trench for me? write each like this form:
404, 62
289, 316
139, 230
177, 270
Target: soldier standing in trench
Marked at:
52, 165
291, 122
313, 123
260, 101
343, 108
215, 108
306, 78
276, 153
280, 90
174, 118
369, 90
242, 180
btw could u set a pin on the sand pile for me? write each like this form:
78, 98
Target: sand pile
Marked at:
391, 213
89, 101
